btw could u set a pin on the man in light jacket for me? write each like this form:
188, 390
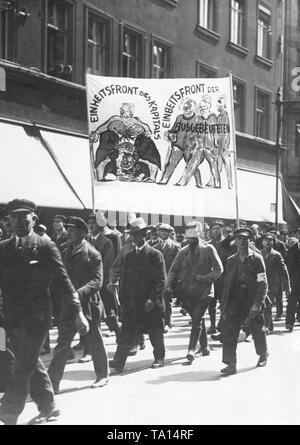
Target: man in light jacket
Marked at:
196, 266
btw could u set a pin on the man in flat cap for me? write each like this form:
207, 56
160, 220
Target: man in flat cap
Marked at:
84, 266
169, 249
142, 295
293, 265
245, 291
28, 264
60, 235
197, 266
110, 234
277, 276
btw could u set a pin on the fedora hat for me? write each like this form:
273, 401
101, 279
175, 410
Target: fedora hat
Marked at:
137, 224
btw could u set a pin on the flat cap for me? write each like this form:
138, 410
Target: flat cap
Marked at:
268, 236
243, 231
78, 223
61, 218
21, 205
218, 222
91, 216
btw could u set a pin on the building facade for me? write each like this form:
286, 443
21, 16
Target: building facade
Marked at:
47, 46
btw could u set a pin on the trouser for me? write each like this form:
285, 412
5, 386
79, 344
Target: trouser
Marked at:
291, 310
130, 332
236, 314
66, 333
198, 331
29, 376
176, 155
193, 163
279, 302
268, 315
168, 311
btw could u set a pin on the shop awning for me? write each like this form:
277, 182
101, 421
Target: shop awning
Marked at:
27, 169
53, 169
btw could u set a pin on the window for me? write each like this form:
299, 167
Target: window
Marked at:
59, 39
264, 32
161, 61
132, 54
98, 45
239, 105
261, 115
205, 72
238, 23
207, 14
8, 35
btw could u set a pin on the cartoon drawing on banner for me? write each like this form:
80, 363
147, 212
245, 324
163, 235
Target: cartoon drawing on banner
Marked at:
199, 134
126, 150
177, 132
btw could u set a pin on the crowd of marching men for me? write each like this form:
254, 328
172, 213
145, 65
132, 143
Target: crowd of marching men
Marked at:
89, 272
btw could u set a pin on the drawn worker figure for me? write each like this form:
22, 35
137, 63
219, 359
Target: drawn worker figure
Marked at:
125, 127
182, 141
206, 143
224, 142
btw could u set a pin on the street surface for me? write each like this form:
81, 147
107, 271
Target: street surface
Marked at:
181, 394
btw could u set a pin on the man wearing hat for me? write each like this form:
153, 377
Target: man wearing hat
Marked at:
142, 296
105, 246
60, 235
28, 264
169, 249
84, 266
197, 266
293, 265
245, 291
277, 276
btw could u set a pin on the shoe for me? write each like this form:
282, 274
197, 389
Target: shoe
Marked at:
190, 356
158, 363
183, 312
78, 347
212, 330
114, 364
204, 351
289, 327
277, 318
216, 337
100, 382
262, 361
45, 416
142, 345
229, 370
85, 359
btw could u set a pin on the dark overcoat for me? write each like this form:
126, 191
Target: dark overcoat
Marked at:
144, 277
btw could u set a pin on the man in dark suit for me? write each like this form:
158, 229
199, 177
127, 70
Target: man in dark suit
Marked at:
169, 249
142, 296
196, 266
245, 291
293, 265
277, 276
28, 263
84, 266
